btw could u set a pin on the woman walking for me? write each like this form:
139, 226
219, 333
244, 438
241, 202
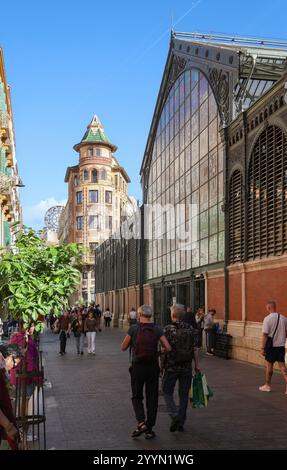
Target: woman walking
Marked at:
108, 317
90, 329
78, 328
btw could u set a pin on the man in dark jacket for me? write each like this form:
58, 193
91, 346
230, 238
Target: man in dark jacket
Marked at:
177, 365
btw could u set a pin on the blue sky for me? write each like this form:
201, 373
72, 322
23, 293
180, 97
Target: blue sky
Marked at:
67, 60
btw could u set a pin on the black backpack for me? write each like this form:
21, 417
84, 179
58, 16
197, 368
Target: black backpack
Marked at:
183, 345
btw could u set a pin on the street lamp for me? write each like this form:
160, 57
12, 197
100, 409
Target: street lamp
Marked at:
20, 183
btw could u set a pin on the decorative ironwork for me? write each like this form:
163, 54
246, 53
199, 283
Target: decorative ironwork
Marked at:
267, 196
219, 81
177, 67
236, 219
52, 218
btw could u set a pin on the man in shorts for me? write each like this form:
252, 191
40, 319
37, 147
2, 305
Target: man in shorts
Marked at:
275, 327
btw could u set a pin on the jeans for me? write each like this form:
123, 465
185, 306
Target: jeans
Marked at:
63, 341
80, 342
145, 374
91, 337
199, 338
170, 378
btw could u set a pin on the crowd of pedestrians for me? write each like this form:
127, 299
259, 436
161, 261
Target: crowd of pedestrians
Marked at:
172, 353
82, 322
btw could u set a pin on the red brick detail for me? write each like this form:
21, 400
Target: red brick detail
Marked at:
264, 285
215, 294
147, 295
235, 307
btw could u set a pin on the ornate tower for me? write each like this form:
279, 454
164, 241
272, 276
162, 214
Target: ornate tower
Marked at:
97, 199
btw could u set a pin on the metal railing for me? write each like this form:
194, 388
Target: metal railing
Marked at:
30, 405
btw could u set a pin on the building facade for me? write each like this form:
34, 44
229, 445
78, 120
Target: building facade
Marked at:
97, 200
10, 207
217, 142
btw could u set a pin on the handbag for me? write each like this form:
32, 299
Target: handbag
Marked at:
269, 342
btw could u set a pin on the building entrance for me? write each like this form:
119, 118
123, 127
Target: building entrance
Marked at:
169, 296
198, 293
183, 294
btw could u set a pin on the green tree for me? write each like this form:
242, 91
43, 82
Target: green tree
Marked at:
35, 277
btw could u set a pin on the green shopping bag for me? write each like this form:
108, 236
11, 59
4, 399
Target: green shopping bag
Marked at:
200, 392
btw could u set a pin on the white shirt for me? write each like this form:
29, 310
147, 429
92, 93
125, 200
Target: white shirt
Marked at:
133, 315
269, 325
208, 321
108, 314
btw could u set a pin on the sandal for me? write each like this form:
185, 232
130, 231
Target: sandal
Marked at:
139, 430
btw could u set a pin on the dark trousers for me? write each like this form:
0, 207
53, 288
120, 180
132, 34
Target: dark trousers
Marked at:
145, 374
210, 339
63, 341
107, 322
170, 378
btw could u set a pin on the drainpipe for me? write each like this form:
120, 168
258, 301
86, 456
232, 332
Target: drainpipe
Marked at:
226, 235
142, 257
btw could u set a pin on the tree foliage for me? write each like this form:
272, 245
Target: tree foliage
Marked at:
36, 277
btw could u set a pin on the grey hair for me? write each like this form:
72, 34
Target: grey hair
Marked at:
145, 311
178, 311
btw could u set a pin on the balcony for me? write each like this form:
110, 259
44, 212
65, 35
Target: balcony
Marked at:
6, 183
8, 151
4, 125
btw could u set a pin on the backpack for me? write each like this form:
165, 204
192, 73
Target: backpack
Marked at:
145, 349
183, 345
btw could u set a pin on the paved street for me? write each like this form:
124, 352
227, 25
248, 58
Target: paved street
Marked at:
89, 407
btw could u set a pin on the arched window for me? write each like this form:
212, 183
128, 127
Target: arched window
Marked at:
90, 152
85, 175
94, 176
103, 174
267, 195
236, 219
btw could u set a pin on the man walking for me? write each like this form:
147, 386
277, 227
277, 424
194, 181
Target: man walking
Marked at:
63, 324
273, 344
144, 338
177, 365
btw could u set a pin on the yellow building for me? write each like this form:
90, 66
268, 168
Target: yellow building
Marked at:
98, 200
10, 208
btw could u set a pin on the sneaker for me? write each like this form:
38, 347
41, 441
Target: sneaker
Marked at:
150, 435
265, 388
209, 354
174, 424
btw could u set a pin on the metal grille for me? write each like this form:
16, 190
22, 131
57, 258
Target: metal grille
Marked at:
236, 219
132, 262
267, 195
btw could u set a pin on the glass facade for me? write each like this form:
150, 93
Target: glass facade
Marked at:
187, 168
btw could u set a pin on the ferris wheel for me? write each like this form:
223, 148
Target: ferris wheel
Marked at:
52, 218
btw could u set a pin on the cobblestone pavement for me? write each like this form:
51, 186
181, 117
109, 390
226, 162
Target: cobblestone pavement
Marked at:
88, 405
